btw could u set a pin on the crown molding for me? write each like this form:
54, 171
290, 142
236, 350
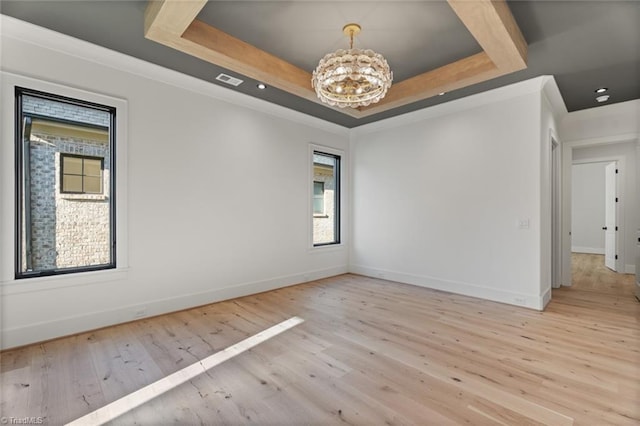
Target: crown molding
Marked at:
534, 85
25, 32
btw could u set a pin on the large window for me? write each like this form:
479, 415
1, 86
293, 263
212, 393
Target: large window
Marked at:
326, 198
64, 185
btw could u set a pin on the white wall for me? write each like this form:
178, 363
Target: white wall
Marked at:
455, 197
615, 120
587, 207
218, 193
438, 198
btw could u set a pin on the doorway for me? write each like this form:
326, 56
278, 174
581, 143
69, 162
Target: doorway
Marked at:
621, 149
596, 227
594, 207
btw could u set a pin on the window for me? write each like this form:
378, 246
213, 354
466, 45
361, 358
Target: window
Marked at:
65, 185
318, 198
81, 175
326, 198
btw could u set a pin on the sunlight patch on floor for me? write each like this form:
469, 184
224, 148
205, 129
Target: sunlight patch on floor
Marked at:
139, 397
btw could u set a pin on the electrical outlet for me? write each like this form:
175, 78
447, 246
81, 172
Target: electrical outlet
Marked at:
140, 313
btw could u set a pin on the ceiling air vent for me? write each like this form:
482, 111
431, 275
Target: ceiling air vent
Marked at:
229, 80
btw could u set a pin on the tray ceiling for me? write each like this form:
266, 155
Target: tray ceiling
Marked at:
584, 44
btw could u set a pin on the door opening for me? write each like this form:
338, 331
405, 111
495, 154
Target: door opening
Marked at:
595, 212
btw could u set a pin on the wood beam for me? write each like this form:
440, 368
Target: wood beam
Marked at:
465, 72
170, 18
494, 28
174, 24
229, 52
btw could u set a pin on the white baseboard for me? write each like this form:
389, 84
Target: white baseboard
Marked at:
629, 269
38, 332
546, 298
467, 289
587, 250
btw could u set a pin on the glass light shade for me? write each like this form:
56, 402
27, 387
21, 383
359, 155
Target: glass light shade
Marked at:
352, 78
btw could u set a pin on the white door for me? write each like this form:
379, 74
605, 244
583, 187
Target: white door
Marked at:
610, 216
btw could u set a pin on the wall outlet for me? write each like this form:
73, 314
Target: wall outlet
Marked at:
523, 224
140, 313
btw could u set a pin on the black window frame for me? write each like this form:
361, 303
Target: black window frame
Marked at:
22, 124
63, 155
336, 201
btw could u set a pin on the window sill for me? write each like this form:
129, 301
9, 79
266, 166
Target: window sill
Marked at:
320, 216
327, 247
83, 197
52, 282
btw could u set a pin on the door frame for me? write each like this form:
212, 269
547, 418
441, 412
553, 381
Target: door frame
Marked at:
620, 165
567, 163
556, 209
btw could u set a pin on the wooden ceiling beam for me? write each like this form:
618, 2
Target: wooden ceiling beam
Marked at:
232, 53
496, 31
465, 72
170, 18
174, 24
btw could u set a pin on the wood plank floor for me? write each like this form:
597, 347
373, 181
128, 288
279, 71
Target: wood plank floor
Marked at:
369, 352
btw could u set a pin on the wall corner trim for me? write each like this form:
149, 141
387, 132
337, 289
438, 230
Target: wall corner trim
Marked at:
552, 94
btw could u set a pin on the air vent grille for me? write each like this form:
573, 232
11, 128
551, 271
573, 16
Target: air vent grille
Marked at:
229, 80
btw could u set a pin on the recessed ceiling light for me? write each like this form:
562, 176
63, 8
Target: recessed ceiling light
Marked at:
603, 98
601, 90
262, 86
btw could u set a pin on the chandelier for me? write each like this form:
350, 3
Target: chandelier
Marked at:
352, 78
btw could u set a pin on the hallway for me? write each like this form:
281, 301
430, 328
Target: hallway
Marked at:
590, 274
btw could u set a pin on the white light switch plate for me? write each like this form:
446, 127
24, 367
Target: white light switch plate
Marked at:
523, 224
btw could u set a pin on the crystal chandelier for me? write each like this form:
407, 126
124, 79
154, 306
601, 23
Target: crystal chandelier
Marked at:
352, 78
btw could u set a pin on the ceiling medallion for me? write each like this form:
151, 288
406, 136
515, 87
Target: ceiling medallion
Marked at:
352, 78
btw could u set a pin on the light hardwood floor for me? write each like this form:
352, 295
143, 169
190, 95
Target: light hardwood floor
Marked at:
369, 352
